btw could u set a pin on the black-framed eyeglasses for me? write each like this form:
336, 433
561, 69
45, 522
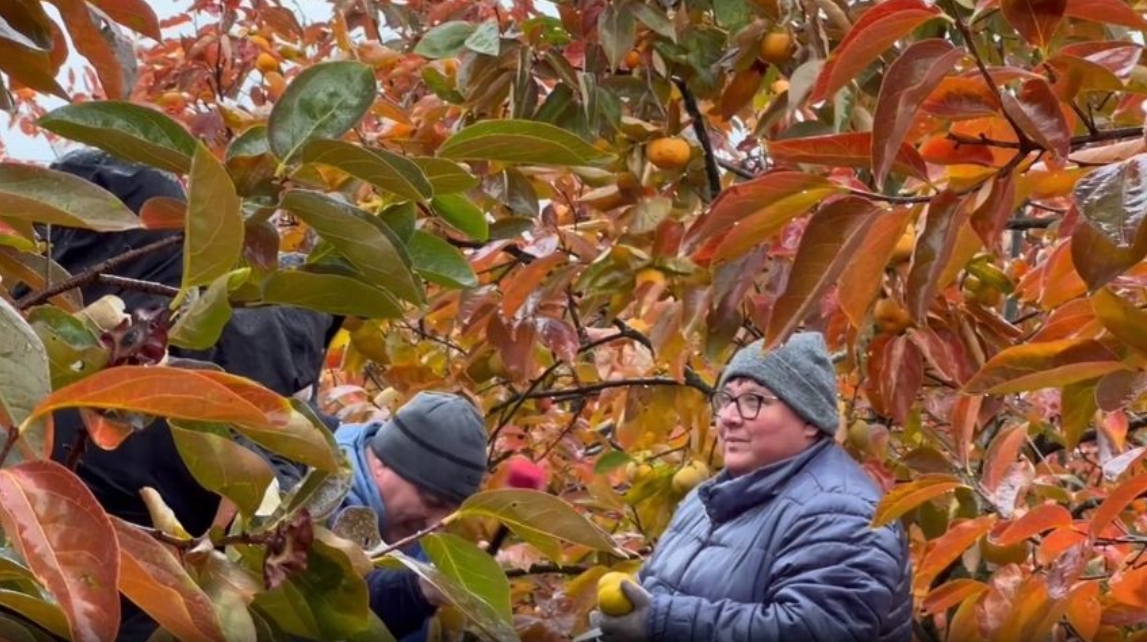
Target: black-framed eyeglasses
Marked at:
749, 404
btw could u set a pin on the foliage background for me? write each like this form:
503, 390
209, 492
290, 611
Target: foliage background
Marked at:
952, 192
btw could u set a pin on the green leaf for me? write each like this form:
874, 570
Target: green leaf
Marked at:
324, 101
618, 31
330, 293
73, 350
472, 568
444, 41
222, 466
39, 610
521, 141
252, 142
462, 214
439, 262
12, 630
732, 14
485, 39
328, 596
201, 326
610, 461
541, 519
213, 237
130, 131
655, 20
446, 177
488, 622
401, 220
42, 195
362, 239
23, 367
386, 170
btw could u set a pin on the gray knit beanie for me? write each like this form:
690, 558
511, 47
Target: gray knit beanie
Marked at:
437, 441
800, 372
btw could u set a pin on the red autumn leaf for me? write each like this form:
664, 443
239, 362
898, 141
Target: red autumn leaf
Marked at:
829, 242
965, 420
1083, 610
876, 30
155, 580
959, 98
990, 218
157, 390
1044, 365
788, 194
909, 80
1118, 56
897, 368
946, 548
1115, 12
524, 280
53, 520
90, 43
1074, 75
1038, 113
1116, 502
861, 278
1036, 521
946, 215
853, 149
1002, 453
1036, 20
1130, 587
163, 213
136, 15
945, 596
908, 496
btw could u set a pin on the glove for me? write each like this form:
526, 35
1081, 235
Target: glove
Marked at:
625, 628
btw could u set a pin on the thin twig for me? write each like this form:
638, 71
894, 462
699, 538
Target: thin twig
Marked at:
702, 137
384, 548
565, 431
1024, 143
139, 285
541, 569
90, 275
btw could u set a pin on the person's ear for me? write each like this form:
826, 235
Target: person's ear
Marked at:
811, 432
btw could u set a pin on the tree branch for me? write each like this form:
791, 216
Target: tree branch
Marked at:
90, 275
702, 137
139, 285
540, 569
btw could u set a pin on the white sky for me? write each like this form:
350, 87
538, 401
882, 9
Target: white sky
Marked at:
24, 148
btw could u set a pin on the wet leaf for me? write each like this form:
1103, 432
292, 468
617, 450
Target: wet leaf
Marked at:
128, 130
324, 101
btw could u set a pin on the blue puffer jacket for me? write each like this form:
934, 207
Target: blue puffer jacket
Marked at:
785, 553
394, 595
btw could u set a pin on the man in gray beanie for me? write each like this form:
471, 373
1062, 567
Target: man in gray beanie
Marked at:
777, 546
412, 471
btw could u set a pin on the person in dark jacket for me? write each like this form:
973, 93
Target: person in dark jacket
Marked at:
778, 546
280, 347
412, 471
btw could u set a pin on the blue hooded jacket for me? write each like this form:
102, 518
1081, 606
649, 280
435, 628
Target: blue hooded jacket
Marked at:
394, 595
783, 553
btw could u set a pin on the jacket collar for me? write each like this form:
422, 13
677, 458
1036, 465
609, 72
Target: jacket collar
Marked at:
727, 497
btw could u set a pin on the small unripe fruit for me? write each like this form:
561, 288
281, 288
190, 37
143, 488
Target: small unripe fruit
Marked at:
890, 317
690, 476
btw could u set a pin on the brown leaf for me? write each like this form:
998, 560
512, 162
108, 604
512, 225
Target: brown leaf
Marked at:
946, 215
1038, 113
1036, 20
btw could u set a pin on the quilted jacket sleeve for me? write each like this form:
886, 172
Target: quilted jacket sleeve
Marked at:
835, 579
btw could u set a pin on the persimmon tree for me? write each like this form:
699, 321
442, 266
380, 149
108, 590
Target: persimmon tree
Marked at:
575, 211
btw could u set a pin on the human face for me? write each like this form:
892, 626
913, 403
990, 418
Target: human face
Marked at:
775, 433
409, 509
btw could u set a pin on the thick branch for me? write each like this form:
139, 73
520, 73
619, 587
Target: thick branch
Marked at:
90, 275
702, 137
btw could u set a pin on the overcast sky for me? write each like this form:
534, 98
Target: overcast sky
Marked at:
21, 147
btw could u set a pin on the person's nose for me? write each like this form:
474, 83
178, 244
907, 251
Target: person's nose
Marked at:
728, 415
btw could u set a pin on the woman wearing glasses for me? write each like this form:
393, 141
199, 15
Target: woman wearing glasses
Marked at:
778, 546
